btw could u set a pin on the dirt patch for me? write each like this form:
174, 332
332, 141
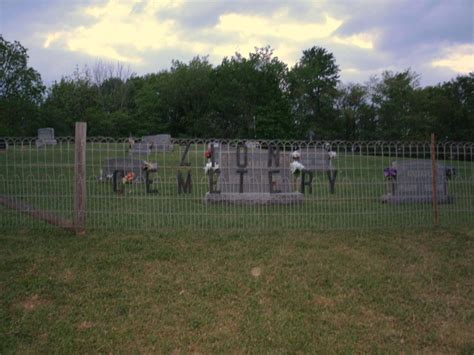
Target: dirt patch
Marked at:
32, 303
256, 272
85, 325
324, 301
69, 276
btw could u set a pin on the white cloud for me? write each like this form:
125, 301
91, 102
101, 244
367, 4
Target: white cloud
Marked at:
120, 33
457, 58
361, 40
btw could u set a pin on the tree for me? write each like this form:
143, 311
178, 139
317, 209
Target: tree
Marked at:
248, 98
394, 99
70, 100
21, 90
450, 106
356, 117
312, 87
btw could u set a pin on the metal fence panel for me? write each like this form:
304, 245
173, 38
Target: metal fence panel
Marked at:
240, 184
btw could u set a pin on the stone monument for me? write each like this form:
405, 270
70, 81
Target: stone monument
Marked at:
159, 142
251, 176
413, 183
45, 137
124, 166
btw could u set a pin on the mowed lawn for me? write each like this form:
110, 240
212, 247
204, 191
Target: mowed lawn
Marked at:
207, 292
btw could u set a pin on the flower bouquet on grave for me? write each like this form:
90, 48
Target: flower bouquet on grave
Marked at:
128, 178
210, 167
296, 169
391, 175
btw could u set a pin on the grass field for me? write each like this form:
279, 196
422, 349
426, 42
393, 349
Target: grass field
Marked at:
207, 292
44, 178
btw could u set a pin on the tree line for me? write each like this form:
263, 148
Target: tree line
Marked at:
257, 96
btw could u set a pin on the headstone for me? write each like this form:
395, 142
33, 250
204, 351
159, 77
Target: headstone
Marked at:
45, 137
253, 176
315, 159
414, 183
125, 165
141, 148
159, 142
3, 144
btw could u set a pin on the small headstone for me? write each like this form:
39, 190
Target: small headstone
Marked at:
125, 165
141, 148
315, 159
3, 144
159, 142
414, 183
45, 137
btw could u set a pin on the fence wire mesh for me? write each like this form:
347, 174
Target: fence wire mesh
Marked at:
141, 184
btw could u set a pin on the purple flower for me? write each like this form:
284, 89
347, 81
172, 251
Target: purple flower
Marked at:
390, 172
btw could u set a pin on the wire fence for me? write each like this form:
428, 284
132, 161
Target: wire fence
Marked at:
154, 182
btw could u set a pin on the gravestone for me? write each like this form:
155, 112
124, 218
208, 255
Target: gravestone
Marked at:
252, 176
3, 144
315, 159
159, 142
45, 137
125, 165
414, 183
141, 148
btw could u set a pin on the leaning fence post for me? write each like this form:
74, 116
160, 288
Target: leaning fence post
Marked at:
434, 172
80, 178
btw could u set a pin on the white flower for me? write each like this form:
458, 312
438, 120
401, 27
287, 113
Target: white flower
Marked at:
209, 167
332, 154
295, 155
296, 167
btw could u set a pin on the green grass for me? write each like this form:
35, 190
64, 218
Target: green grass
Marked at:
44, 178
208, 292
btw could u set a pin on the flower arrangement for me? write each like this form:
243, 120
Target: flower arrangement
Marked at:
390, 173
149, 166
295, 166
128, 178
209, 166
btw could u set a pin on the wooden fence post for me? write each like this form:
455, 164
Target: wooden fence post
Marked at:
80, 178
434, 171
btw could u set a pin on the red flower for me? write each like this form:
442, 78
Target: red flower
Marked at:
208, 154
128, 178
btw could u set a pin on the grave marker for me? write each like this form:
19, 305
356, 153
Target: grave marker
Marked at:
414, 183
125, 166
253, 176
45, 137
159, 142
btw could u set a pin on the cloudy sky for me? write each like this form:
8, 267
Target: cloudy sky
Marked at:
434, 38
